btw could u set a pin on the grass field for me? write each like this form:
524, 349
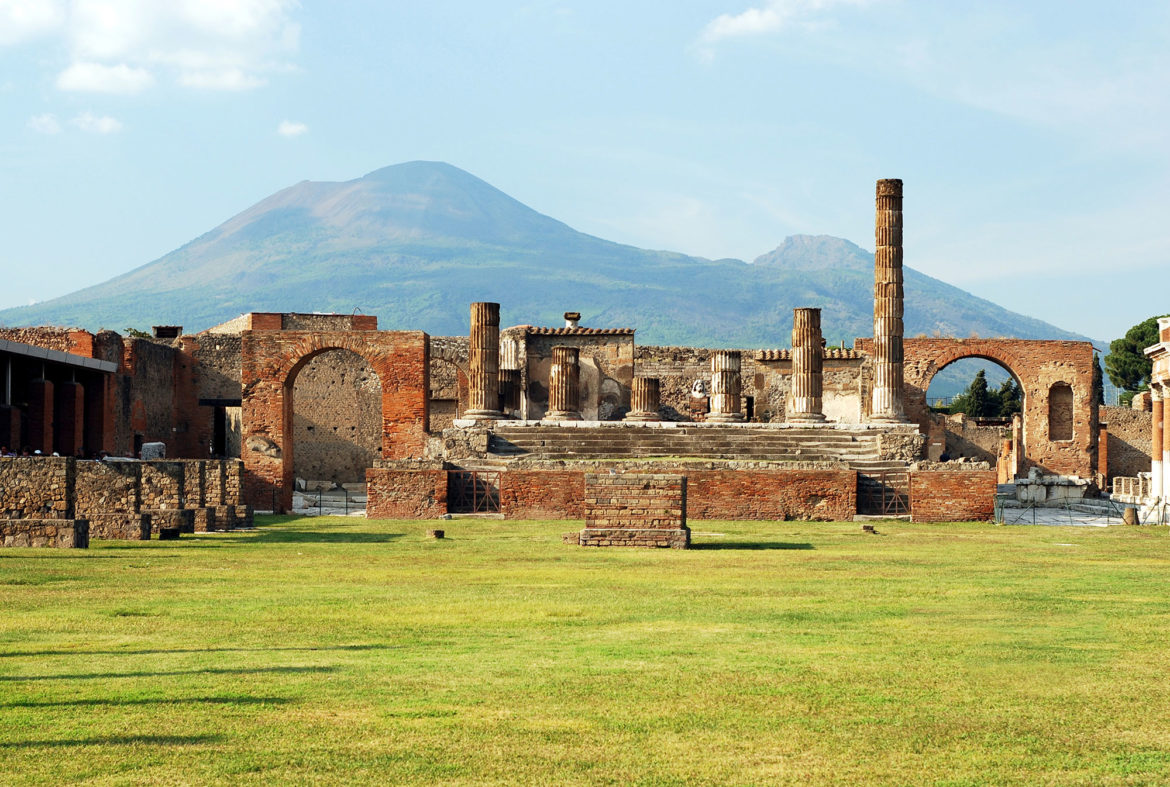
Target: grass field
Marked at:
345, 650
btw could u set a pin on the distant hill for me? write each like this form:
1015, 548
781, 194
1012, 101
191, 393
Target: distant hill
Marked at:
415, 243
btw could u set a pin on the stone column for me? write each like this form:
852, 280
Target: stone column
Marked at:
1165, 445
1157, 442
644, 400
564, 394
483, 362
808, 363
725, 387
888, 357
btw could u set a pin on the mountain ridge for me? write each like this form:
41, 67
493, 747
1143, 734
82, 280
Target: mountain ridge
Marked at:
416, 242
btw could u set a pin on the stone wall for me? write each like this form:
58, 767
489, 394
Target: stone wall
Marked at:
1129, 436
542, 494
606, 368
635, 509
967, 438
826, 495
337, 418
39, 487
405, 494
60, 533
952, 496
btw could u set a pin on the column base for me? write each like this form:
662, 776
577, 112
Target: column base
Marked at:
562, 415
806, 418
483, 415
888, 419
642, 417
725, 418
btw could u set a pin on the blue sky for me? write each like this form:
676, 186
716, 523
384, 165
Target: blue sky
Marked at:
1032, 137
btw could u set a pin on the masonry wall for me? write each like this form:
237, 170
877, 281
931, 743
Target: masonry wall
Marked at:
542, 494
405, 494
337, 418
826, 495
1129, 436
37, 487
606, 369
635, 509
60, 533
966, 438
952, 496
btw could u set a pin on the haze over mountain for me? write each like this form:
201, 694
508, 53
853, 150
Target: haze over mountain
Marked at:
415, 243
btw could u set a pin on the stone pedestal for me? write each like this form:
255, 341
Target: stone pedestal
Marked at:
564, 393
483, 362
888, 331
808, 361
725, 387
634, 510
644, 400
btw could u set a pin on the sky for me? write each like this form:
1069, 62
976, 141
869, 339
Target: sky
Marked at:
1031, 137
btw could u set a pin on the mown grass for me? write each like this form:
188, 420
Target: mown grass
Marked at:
345, 650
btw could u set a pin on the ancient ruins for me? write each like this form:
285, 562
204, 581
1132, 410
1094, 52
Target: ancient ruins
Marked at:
532, 421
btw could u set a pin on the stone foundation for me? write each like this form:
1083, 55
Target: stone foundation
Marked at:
635, 509
59, 533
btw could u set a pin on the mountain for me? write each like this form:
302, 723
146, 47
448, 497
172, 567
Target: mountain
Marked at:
415, 243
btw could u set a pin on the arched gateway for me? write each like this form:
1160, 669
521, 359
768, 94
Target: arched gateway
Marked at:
1056, 378
270, 360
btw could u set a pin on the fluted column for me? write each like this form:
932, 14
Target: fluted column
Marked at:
483, 362
1157, 440
888, 330
644, 400
808, 363
725, 387
564, 394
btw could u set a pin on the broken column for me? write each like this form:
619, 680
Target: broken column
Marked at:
1157, 441
886, 405
483, 362
808, 362
564, 394
644, 400
725, 387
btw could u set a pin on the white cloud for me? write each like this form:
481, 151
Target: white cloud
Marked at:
288, 128
23, 19
770, 18
97, 124
45, 124
90, 77
123, 46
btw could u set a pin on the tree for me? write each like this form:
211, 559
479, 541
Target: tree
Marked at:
975, 401
1098, 381
1126, 363
1009, 399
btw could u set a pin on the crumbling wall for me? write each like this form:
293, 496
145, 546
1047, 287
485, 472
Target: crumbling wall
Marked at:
405, 493
1129, 440
606, 369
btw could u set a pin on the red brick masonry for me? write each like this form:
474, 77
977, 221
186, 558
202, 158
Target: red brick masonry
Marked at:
952, 496
635, 510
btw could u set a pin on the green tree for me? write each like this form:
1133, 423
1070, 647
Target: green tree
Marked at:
1126, 363
1009, 399
1098, 381
976, 400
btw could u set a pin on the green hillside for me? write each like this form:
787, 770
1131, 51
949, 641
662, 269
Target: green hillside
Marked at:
415, 243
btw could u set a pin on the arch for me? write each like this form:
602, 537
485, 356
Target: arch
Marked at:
270, 362
1035, 365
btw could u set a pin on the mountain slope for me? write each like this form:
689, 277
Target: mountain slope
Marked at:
415, 243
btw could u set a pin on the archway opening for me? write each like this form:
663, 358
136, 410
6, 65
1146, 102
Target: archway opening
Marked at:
973, 402
336, 419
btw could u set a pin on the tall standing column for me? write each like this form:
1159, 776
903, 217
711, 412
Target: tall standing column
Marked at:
483, 362
1157, 440
645, 397
888, 330
808, 363
564, 393
725, 387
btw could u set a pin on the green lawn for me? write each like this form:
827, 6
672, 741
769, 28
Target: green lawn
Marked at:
345, 650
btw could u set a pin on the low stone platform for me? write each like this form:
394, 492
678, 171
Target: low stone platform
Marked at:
59, 533
635, 510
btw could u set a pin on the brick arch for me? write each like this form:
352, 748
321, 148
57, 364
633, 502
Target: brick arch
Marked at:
1036, 366
270, 361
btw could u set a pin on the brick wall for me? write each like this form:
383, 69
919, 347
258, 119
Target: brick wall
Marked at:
952, 496
826, 495
635, 509
405, 494
337, 418
542, 494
